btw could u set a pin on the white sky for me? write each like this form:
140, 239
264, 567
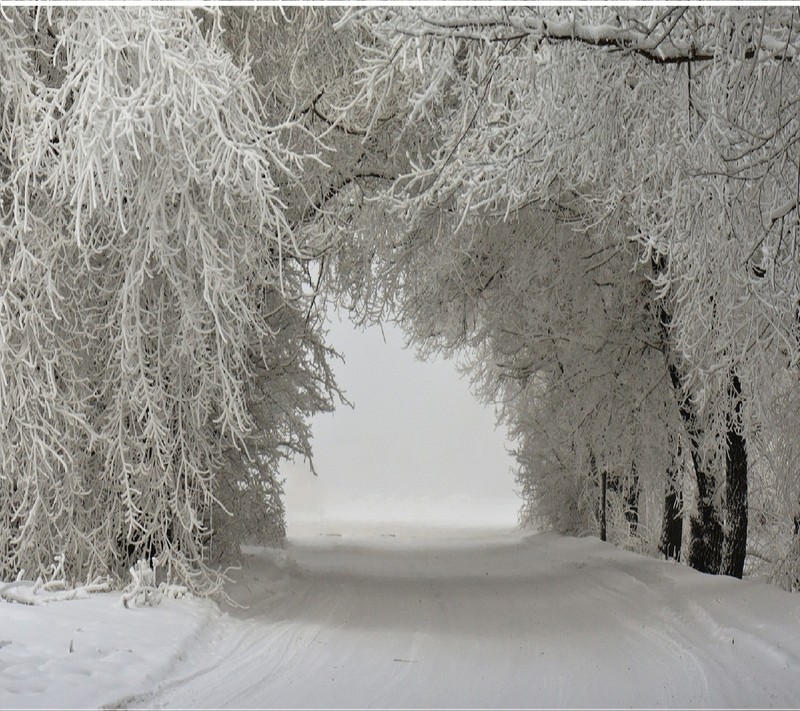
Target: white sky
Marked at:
416, 446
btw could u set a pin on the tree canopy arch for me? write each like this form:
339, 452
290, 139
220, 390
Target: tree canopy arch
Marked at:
599, 206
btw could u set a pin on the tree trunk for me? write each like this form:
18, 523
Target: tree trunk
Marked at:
632, 501
735, 547
603, 497
705, 550
794, 571
603, 482
672, 523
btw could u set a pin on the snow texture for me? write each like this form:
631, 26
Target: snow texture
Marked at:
392, 616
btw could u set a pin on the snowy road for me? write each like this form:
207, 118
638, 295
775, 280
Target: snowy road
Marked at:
499, 619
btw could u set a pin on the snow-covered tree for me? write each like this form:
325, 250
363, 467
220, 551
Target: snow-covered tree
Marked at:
595, 208
159, 351
671, 129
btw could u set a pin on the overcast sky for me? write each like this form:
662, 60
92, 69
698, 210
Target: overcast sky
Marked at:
416, 439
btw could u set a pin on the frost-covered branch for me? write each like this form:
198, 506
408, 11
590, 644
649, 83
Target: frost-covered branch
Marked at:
156, 347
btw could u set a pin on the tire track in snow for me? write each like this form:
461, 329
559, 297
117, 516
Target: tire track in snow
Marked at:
523, 621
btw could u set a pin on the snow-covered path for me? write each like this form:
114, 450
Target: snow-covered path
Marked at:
487, 620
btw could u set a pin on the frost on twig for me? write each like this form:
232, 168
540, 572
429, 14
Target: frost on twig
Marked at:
51, 588
599, 217
158, 355
143, 589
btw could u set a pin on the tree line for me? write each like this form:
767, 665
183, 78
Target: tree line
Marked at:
594, 209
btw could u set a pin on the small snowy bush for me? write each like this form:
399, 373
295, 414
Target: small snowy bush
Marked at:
143, 588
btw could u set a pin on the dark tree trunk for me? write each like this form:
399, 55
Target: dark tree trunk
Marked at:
632, 501
735, 547
794, 581
602, 479
672, 523
705, 550
603, 499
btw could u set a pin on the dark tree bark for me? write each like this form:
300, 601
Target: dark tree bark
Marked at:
705, 526
794, 581
602, 480
705, 550
735, 546
603, 500
632, 501
672, 523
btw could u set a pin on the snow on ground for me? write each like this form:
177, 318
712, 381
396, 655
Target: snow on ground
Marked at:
89, 652
392, 615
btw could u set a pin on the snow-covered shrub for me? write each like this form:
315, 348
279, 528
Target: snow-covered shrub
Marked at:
144, 588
